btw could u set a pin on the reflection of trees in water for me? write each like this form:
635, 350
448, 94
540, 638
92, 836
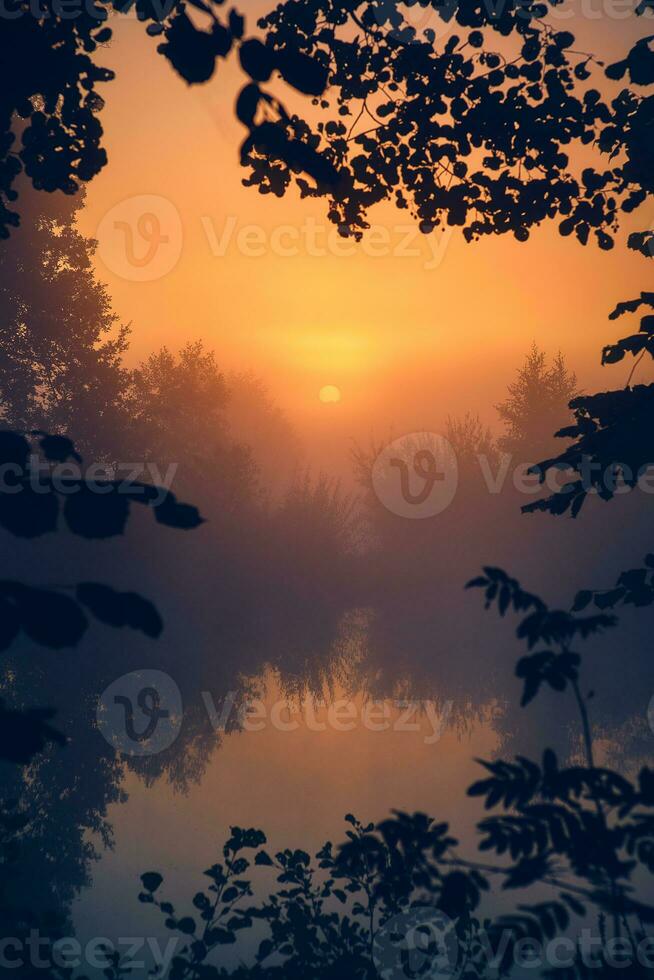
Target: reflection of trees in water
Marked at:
238, 601
283, 593
423, 629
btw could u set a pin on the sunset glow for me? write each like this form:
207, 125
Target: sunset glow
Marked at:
266, 283
330, 394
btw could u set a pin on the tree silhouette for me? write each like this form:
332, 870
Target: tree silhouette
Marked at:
470, 438
177, 408
63, 370
537, 402
179, 396
61, 345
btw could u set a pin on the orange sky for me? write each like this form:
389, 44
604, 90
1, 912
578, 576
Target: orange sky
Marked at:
407, 337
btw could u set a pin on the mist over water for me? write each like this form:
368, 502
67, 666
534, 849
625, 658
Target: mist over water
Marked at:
326, 654
356, 430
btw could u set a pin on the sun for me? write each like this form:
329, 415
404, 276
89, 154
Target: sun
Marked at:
330, 394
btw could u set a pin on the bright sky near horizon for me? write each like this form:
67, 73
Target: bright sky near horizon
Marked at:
408, 327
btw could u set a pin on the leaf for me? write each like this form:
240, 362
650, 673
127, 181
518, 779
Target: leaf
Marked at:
606, 600
28, 514
302, 72
94, 515
530, 690
564, 39
640, 62
199, 950
151, 880
173, 514
526, 872
51, 619
256, 60
120, 608
14, 449
263, 858
617, 70
215, 872
191, 52
186, 925
57, 449
582, 599
632, 305
573, 903
265, 949
643, 242
236, 24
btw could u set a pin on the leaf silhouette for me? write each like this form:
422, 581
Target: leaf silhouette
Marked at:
120, 608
